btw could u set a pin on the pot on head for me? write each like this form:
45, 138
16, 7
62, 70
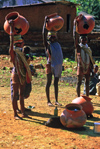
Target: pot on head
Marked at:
55, 22
21, 25
85, 24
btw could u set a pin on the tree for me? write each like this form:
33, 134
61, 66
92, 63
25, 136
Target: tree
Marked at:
89, 6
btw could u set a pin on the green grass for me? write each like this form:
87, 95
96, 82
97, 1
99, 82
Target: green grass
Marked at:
69, 70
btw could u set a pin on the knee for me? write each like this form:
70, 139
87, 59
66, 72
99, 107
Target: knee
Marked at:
87, 82
16, 96
56, 81
21, 94
79, 83
48, 84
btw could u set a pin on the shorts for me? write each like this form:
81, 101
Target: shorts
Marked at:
57, 70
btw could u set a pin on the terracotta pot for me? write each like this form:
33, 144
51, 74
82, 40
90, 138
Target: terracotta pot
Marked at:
55, 22
73, 116
86, 104
21, 25
85, 24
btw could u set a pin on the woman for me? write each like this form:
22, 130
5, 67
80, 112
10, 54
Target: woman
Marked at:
54, 61
21, 72
84, 59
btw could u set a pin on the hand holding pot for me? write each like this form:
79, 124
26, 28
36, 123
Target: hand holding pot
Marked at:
11, 23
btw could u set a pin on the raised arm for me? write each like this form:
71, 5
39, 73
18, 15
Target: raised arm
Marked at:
11, 52
44, 32
75, 34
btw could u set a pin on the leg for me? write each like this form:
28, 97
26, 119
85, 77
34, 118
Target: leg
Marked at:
14, 99
56, 79
87, 77
49, 79
21, 98
17, 96
79, 82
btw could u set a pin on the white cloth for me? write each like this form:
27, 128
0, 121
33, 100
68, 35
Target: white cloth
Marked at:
84, 55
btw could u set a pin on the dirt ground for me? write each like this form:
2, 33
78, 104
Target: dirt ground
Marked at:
31, 133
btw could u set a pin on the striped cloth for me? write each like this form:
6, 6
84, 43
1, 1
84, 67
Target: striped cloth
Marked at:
22, 67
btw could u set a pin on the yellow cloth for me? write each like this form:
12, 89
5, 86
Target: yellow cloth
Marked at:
22, 66
88, 51
51, 33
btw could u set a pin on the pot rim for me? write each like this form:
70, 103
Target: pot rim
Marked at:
73, 105
10, 14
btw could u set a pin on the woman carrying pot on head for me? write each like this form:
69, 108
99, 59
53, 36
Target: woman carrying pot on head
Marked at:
54, 61
84, 59
21, 72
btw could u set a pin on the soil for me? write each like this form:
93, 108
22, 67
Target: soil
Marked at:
31, 132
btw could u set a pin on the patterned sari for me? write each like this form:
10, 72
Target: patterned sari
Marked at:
22, 67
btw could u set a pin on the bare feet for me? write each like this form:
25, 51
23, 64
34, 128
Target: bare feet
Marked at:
17, 117
18, 111
50, 104
57, 103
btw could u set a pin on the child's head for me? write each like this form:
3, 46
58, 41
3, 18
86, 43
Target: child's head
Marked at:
83, 39
26, 50
96, 68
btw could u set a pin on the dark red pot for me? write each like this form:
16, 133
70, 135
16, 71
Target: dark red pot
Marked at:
21, 25
73, 116
86, 104
55, 22
85, 24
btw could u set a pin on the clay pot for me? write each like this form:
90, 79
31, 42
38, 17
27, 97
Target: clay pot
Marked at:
85, 24
73, 116
86, 104
55, 22
21, 25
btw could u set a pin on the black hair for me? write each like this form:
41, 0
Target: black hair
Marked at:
26, 49
95, 66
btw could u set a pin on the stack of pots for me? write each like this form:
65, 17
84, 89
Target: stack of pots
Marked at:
55, 22
21, 25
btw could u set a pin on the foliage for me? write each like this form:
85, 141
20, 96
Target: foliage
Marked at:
89, 6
